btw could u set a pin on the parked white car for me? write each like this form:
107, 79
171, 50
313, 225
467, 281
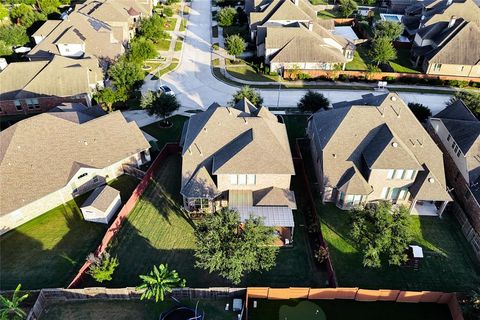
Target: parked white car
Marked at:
166, 89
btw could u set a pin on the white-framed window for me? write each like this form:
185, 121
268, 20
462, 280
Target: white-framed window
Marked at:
18, 105
437, 66
251, 179
242, 179
403, 194
390, 174
399, 173
409, 174
353, 199
385, 192
233, 179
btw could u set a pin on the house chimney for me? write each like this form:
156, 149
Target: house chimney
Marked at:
452, 21
296, 2
310, 25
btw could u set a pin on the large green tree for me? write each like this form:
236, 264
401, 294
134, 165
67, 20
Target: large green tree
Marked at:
126, 74
250, 93
25, 15
3, 12
152, 28
160, 104
107, 97
10, 308
313, 101
235, 45
470, 98
158, 282
226, 16
14, 35
5, 49
49, 6
347, 7
381, 232
231, 249
389, 29
142, 49
383, 50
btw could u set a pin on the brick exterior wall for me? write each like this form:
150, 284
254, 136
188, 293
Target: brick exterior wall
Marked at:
460, 186
44, 104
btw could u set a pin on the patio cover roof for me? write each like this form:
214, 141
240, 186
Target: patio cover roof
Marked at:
272, 216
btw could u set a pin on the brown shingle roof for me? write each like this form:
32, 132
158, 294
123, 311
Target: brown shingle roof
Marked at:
38, 153
101, 198
343, 134
60, 77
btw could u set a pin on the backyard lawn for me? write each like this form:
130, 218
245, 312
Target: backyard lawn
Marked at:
157, 231
169, 24
329, 14
165, 135
127, 309
449, 264
361, 60
46, 252
346, 309
246, 72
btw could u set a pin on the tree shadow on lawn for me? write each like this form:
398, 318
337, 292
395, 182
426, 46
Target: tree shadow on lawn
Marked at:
47, 252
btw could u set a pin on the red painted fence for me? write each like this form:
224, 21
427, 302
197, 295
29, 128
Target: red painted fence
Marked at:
167, 150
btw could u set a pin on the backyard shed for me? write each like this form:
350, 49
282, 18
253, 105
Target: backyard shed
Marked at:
101, 205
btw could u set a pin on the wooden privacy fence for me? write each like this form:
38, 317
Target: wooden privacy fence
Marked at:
49, 296
167, 150
358, 295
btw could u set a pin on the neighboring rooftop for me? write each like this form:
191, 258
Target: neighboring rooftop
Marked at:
41, 154
101, 198
60, 77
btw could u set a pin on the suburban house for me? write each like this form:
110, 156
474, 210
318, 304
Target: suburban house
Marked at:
289, 36
423, 14
38, 86
48, 159
101, 205
78, 36
458, 132
239, 157
375, 149
448, 48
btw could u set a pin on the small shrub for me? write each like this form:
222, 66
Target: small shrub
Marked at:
215, 46
273, 73
458, 83
168, 12
321, 255
304, 76
102, 267
267, 70
343, 77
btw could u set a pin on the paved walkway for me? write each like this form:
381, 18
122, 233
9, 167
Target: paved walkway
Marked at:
197, 88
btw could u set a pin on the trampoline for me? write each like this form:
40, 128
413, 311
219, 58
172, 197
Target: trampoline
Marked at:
303, 310
182, 313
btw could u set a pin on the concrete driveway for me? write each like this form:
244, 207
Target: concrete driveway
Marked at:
197, 88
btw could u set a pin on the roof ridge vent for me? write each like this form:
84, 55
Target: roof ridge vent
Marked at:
396, 112
420, 142
382, 112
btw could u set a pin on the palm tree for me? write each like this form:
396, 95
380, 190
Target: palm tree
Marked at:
159, 281
12, 307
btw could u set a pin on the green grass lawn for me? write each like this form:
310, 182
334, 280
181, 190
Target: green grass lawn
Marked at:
167, 69
403, 63
448, 264
128, 309
47, 252
169, 24
157, 231
362, 59
163, 45
183, 24
329, 14
178, 45
165, 135
246, 72
349, 309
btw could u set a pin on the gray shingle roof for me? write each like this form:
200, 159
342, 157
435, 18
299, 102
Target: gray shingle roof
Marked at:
353, 182
235, 142
344, 133
200, 185
276, 197
101, 198
38, 154
456, 111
